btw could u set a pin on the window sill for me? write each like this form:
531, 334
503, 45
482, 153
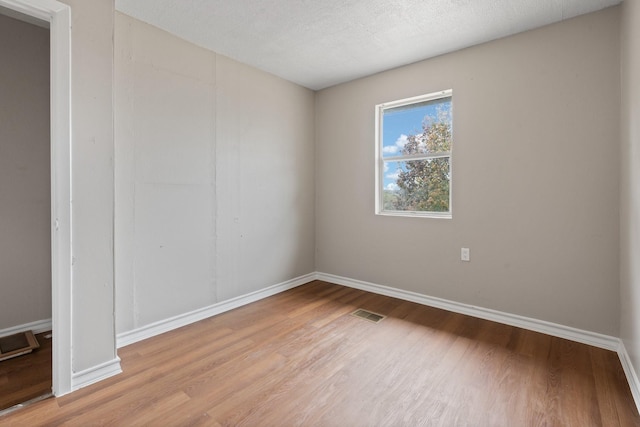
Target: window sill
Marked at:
417, 214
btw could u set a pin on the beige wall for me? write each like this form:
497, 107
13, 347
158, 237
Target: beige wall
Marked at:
535, 163
264, 179
165, 146
93, 335
630, 181
25, 185
214, 177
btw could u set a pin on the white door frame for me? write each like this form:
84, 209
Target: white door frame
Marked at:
59, 17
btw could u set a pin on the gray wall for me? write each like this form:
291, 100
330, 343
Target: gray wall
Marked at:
214, 177
93, 335
25, 184
535, 184
630, 181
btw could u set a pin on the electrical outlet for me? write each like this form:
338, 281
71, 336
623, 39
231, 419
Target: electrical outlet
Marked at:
464, 254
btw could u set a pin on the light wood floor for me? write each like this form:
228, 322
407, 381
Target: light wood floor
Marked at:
299, 358
26, 377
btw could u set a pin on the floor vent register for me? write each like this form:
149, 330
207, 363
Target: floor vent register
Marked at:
368, 315
17, 344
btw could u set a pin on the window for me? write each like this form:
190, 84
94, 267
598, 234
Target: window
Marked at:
413, 156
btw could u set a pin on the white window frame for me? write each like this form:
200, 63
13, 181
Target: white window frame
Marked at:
380, 160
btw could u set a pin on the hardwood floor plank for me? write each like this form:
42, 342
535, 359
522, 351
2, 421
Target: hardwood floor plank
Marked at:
577, 382
26, 377
605, 392
299, 358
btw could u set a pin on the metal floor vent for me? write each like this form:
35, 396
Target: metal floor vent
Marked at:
368, 315
17, 345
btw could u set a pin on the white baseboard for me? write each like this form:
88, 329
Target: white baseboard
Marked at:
606, 342
586, 337
175, 322
37, 327
95, 374
630, 373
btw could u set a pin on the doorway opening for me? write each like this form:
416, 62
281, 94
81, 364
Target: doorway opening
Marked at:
25, 209
57, 16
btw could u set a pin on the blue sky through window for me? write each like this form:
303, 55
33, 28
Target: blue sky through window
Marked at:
398, 124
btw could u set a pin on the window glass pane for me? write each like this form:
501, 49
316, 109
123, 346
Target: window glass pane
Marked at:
421, 128
417, 185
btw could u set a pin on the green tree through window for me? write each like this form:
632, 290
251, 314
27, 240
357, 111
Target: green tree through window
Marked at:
414, 169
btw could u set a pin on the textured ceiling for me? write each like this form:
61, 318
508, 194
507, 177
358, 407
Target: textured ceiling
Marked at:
320, 43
